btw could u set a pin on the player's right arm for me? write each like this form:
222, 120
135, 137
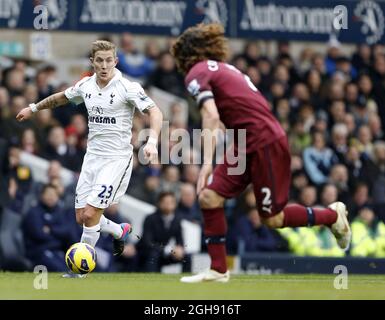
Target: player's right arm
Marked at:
198, 83
210, 126
53, 101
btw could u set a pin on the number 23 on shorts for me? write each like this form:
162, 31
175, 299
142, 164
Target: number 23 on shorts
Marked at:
105, 194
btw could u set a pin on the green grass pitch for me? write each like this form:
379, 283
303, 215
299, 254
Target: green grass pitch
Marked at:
139, 286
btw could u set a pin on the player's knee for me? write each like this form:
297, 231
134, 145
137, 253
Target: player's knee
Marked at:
273, 222
209, 199
90, 215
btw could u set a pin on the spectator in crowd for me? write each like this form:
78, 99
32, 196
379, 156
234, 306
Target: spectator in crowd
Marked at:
4, 102
58, 149
298, 182
131, 61
339, 143
170, 180
29, 142
364, 141
333, 53
46, 232
66, 193
44, 88
250, 235
368, 235
162, 242
30, 93
14, 81
329, 194
360, 168
166, 76
22, 185
374, 123
250, 53
340, 178
190, 173
361, 59
308, 196
11, 129
4, 175
337, 112
299, 138
318, 159
188, 207
264, 66
359, 200
378, 187
42, 123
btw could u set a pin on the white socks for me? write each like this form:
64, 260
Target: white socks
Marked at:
91, 235
110, 227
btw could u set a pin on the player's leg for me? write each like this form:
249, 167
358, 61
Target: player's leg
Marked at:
79, 216
335, 217
106, 225
91, 226
211, 200
271, 187
110, 185
87, 215
215, 228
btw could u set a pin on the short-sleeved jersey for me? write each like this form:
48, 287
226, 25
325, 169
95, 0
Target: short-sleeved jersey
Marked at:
110, 113
240, 104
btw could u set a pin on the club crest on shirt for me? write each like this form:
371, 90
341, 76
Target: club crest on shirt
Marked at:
112, 98
97, 110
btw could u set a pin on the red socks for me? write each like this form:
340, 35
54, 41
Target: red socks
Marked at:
297, 216
215, 228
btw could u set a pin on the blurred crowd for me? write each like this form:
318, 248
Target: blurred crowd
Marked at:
332, 106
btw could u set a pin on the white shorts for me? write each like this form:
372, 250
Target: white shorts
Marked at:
102, 181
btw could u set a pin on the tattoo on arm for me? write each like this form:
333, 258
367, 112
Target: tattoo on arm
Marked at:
52, 101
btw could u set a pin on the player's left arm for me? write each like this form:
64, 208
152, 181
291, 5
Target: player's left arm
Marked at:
150, 150
210, 126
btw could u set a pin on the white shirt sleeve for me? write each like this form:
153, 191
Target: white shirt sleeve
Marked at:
139, 98
74, 93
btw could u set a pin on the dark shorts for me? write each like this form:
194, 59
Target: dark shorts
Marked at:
268, 169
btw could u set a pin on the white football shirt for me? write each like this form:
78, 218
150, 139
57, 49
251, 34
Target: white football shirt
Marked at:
110, 112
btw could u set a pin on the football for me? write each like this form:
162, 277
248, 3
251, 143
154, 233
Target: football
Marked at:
81, 258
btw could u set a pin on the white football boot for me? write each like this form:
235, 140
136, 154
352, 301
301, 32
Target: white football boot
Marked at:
341, 228
73, 275
206, 276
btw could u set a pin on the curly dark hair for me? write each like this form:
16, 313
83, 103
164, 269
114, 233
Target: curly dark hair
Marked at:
198, 43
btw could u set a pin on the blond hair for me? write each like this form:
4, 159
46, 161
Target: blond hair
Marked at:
102, 45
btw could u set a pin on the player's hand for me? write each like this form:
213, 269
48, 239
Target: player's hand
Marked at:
204, 174
129, 251
178, 253
24, 114
150, 152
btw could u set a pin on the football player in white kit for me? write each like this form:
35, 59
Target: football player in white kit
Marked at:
111, 101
